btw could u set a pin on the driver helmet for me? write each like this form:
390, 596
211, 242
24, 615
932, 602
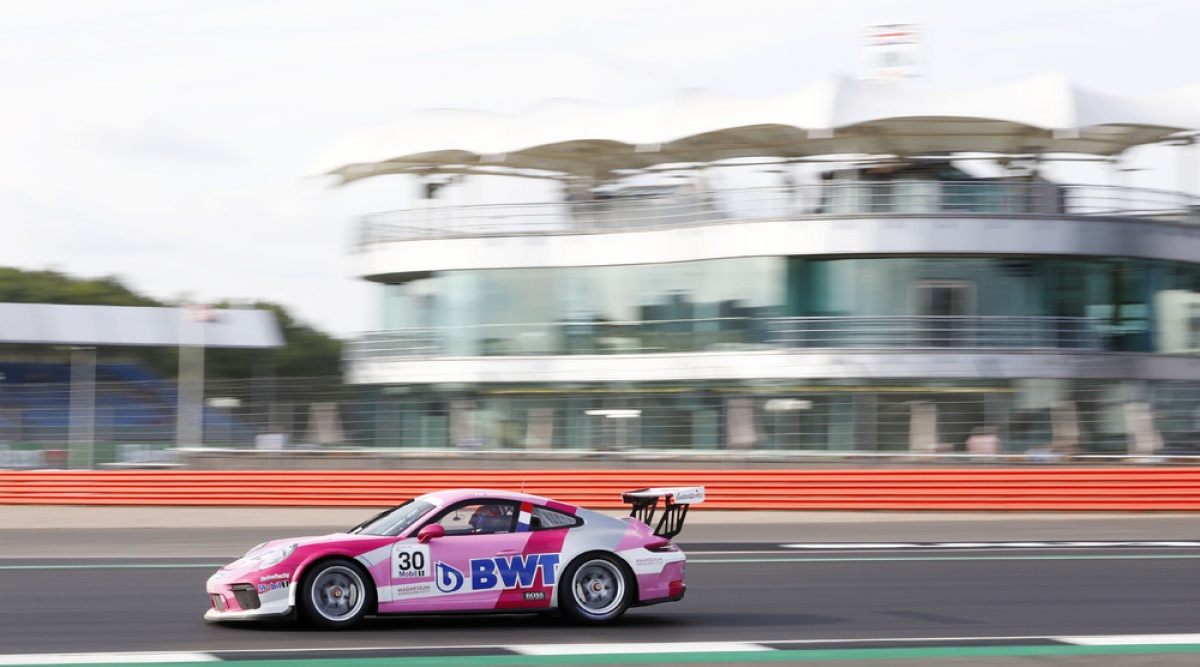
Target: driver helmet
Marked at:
489, 518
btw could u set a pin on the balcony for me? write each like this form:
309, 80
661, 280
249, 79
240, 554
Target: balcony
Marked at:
850, 198
735, 334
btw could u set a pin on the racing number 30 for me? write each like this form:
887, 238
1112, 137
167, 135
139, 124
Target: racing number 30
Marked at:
410, 560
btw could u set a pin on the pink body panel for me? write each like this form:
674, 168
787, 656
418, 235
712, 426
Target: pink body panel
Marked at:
470, 572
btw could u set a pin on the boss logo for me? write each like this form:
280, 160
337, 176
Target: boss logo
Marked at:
536, 595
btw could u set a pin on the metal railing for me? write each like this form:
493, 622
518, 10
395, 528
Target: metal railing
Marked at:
731, 334
937, 331
982, 198
864, 419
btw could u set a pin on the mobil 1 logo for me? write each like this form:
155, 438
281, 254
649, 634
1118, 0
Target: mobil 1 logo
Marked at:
410, 561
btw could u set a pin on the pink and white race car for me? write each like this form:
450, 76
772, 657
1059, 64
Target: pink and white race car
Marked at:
467, 550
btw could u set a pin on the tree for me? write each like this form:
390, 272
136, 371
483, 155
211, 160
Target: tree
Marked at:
307, 353
17, 286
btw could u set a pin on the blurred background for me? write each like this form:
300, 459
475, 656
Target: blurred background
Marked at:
842, 231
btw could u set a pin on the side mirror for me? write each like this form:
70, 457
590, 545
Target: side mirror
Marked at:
431, 531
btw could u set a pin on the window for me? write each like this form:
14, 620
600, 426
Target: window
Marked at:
546, 519
395, 520
478, 517
943, 306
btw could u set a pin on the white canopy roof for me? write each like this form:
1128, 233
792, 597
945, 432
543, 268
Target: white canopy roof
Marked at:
57, 324
564, 137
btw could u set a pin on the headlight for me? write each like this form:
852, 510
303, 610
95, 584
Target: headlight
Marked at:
273, 556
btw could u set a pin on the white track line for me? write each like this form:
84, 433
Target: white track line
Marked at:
147, 657
1132, 640
678, 647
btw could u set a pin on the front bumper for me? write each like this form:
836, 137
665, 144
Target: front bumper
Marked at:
240, 596
252, 615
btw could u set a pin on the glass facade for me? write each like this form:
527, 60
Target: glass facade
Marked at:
1131, 305
614, 309
1062, 303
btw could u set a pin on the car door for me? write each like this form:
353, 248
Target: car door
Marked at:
480, 563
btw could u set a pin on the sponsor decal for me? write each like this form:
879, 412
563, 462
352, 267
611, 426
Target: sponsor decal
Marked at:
689, 494
487, 574
518, 571
653, 560
273, 586
410, 561
448, 578
279, 576
411, 590
535, 595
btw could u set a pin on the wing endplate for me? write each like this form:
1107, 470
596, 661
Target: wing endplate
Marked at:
676, 501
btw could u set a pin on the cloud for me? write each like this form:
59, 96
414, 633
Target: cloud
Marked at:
157, 139
167, 142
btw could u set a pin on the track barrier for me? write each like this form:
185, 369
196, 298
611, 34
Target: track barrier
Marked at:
1057, 489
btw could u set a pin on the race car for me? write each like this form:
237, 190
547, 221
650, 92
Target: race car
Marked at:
467, 550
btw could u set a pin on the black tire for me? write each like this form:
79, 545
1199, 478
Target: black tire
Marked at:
595, 589
335, 594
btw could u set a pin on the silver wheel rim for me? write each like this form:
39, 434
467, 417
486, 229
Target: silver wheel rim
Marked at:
337, 593
599, 587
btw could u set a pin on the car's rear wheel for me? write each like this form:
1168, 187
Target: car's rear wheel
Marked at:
596, 588
335, 594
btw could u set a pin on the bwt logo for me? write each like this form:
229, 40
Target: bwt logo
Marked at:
448, 578
487, 573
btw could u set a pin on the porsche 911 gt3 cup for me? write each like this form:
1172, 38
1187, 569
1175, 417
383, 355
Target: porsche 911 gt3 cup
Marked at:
467, 550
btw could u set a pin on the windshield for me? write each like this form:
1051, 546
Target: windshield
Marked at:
394, 521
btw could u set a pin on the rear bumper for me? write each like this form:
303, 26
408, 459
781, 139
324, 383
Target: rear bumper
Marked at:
669, 598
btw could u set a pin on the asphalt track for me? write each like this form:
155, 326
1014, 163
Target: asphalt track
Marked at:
893, 593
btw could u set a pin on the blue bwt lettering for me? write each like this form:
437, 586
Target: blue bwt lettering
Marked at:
518, 571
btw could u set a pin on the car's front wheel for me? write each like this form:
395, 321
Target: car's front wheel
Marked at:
596, 588
334, 594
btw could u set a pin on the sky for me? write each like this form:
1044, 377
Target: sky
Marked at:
176, 144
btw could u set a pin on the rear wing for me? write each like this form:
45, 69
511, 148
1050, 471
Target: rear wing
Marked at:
675, 508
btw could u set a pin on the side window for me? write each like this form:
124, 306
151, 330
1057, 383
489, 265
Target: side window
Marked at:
545, 519
479, 517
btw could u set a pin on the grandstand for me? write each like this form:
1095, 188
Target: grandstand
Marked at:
133, 404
